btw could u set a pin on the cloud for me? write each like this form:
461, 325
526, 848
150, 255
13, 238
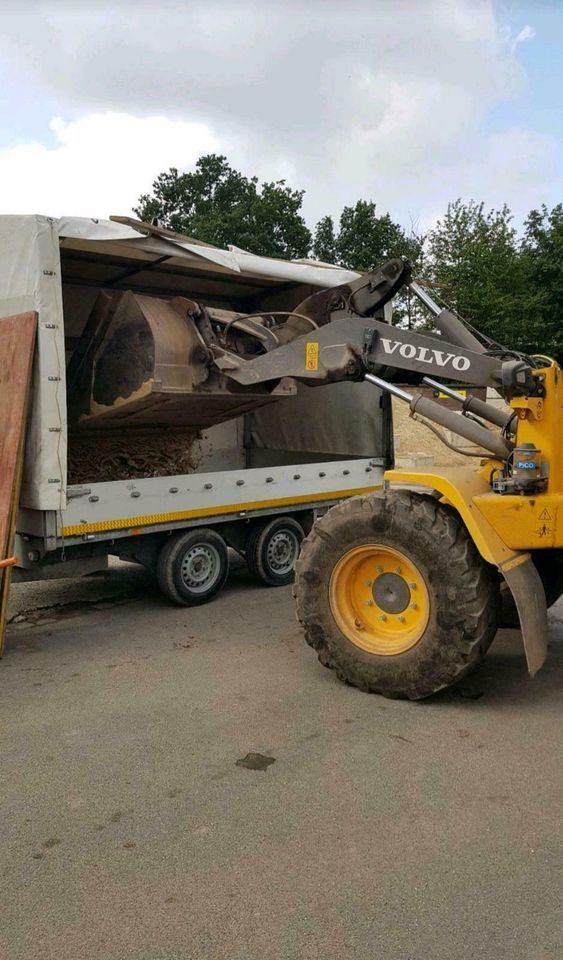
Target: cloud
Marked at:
516, 166
384, 100
285, 69
526, 33
99, 164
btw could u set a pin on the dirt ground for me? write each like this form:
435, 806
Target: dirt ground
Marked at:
415, 443
182, 784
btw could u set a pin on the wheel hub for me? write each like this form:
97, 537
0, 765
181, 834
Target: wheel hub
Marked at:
200, 567
282, 551
391, 593
379, 599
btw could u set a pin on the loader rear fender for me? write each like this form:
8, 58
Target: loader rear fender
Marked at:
458, 486
527, 589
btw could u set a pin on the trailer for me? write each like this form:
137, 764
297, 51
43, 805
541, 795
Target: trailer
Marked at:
161, 492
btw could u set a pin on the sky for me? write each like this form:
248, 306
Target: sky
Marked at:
410, 104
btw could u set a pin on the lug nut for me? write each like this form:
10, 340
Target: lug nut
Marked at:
369, 603
398, 570
414, 606
412, 586
401, 619
382, 617
358, 624
369, 583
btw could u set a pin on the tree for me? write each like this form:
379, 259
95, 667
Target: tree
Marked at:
510, 289
541, 261
365, 239
324, 243
407, 310
473, 263
219, 205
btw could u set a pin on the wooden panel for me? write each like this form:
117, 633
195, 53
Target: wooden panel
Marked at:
17, 341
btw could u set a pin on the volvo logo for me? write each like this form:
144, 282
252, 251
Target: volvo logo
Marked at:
408, 351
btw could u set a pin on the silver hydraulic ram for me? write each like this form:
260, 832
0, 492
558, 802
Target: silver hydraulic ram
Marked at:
447, 323
500, 416
423, 406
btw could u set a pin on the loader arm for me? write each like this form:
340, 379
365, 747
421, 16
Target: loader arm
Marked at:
352, 345
352, 342
348, 337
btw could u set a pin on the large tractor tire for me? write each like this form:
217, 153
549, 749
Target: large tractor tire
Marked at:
394, 596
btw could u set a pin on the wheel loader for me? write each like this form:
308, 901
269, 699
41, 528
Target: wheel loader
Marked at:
401, 593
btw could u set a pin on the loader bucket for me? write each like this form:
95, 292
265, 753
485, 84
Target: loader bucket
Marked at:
144, 361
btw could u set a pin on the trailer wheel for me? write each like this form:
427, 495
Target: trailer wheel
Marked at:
193, 566
394, 596
272, 549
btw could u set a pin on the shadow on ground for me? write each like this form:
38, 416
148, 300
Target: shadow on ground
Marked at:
499, 679
502, 677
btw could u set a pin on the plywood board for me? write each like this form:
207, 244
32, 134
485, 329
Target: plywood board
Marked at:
17, 341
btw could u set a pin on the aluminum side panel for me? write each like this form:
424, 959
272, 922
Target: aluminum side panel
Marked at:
127, 504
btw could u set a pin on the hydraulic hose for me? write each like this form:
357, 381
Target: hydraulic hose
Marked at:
462, 426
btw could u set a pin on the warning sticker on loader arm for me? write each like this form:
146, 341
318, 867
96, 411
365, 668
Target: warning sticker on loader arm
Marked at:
312, 356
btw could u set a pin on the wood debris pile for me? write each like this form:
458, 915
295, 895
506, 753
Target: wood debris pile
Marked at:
95, 457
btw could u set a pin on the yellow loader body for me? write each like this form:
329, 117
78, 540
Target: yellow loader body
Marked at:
506, 527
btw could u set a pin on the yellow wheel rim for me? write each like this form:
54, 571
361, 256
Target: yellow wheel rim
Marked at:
379, 599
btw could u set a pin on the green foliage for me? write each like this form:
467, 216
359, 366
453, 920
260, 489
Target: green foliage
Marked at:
510, 289
473, 260
324, 243
219, 205
364, 239
541, 261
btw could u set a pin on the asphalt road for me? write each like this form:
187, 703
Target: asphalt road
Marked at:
384, 830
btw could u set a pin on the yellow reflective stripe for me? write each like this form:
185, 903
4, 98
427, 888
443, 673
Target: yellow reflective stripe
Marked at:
514, 562
152, 518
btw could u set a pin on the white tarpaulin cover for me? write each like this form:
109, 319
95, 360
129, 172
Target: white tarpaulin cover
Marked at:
235, 259
30, 279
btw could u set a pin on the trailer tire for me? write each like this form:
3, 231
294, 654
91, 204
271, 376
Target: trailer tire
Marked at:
272, 549
394, 596
193, 566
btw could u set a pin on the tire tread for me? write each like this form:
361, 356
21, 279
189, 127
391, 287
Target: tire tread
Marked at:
473, 586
